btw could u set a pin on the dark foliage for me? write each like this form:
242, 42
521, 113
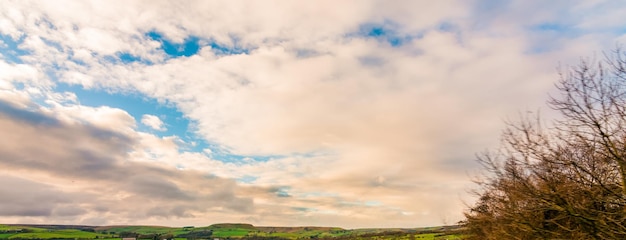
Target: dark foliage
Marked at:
196, 234
262, 238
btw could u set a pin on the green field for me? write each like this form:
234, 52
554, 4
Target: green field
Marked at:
29, 232
55, 235
222, 231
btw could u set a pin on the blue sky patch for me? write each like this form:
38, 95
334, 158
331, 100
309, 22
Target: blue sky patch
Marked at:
385, 32
447, 27
375, 31
225, 155
174, 121
128, 58
550, 27
9, 49
121, 58
549, 30
188, 48
192, 45
219, 49
136, 105
53, 44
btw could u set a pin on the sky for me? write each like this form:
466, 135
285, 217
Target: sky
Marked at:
286, 113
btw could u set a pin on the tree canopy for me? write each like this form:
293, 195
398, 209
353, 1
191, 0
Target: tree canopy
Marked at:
565, 179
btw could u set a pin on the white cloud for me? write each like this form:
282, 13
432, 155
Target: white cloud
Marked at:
352, 120
20, 73
103, 117
153, 122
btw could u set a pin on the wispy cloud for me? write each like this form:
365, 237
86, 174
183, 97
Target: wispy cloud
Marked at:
153, 122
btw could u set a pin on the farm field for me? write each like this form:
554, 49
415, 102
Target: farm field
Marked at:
221, 231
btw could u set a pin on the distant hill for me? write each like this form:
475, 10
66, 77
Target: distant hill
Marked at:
220, 231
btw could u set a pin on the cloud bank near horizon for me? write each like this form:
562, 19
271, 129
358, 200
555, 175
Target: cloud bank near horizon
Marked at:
351, 113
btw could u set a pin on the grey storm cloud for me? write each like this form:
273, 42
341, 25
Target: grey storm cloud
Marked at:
21, 197
34, 142
155, 186
177, 211
68, 211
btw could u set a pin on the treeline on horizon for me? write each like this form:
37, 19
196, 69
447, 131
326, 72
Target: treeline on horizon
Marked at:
220, 231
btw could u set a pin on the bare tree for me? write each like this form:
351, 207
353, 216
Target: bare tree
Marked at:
593, 103
567, 181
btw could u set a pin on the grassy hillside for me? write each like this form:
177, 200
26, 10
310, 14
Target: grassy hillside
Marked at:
222, 231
